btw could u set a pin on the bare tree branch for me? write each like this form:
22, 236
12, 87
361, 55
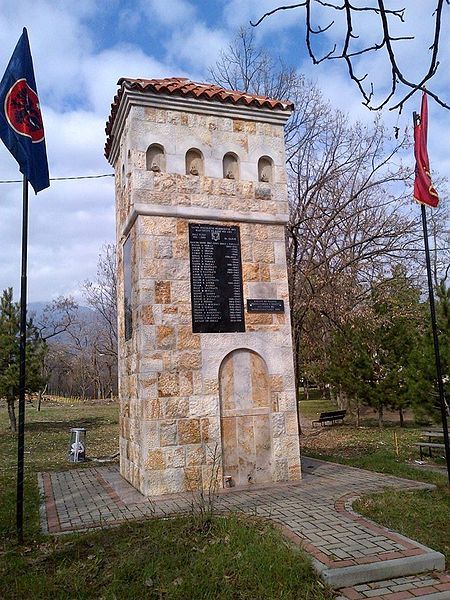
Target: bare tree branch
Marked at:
401, 87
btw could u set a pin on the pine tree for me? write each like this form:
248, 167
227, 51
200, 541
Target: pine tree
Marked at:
426, 402
10, 354
372, 360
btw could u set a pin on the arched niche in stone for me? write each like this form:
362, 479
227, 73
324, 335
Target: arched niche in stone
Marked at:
155, 158
265, 169
194, 162
230, 166
245, 415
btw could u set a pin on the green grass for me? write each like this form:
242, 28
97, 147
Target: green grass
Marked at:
164, 559
47, 434
311, 409
423, 515
46, 444
371, 448
230, 558
314, 394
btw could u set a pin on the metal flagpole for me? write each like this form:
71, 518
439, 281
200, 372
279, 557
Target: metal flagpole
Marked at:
22, 371
436, 342
22, 132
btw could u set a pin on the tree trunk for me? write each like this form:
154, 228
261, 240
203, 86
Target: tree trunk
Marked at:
342, 399
41, 396
402, 419
296, 376
297, 364
332, 395
380, 416
358, 414
12, 413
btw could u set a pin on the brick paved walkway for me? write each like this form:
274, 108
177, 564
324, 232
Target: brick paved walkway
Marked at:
435, 586
347, 549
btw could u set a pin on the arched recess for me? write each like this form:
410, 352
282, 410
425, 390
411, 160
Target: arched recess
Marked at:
194, 162
155, 158
230, 164
265, 169
245, 407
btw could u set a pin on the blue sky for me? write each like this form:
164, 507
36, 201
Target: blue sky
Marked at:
80, 49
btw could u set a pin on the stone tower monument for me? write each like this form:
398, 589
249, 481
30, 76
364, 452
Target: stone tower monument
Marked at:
206, 378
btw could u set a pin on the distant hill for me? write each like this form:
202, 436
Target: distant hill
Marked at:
35, 311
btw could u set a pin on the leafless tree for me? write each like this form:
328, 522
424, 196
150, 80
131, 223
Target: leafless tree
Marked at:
82, 353
439, 233
350, 46
350, 222
56, 319
101, 296
243, 66
82, 361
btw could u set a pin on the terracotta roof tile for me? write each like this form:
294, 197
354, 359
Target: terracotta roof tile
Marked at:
180, 86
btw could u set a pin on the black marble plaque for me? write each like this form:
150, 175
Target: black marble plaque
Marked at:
128, 313
265, 305
216, 279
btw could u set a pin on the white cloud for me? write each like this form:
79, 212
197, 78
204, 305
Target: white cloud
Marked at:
100, 73
75, 142
197, 45
128, 19
171, 13
59, 42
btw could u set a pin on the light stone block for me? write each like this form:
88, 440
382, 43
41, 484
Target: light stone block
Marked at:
210, 432
262, 290
280, 253
174, 480
203, 406
175, 457
278, 424
286, 447
281, 472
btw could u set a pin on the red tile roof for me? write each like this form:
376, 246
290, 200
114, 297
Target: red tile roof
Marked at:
180, 86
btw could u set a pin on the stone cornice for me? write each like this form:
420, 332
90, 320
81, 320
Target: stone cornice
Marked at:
200, 214
132, 98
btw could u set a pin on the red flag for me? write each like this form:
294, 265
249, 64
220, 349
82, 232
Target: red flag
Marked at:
424, 191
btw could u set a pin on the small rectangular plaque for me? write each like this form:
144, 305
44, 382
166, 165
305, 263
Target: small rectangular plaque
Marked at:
216, 279
265, 305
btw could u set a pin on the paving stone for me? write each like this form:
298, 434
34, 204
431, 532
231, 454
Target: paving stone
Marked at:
376, 593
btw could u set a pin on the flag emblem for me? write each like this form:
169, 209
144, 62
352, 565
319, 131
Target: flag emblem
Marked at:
22, 111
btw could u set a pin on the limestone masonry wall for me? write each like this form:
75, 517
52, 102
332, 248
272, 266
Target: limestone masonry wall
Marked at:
183, 407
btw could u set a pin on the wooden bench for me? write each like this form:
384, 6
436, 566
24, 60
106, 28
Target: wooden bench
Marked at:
430, 446
432, 433
331, 417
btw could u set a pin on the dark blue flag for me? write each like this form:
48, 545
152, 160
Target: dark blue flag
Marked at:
21, 125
